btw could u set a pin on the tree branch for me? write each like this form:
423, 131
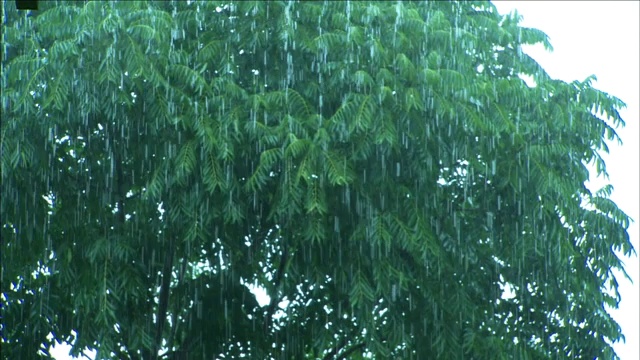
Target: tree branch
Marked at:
163, 298
350, 351
174, 319
275, 298
335, 350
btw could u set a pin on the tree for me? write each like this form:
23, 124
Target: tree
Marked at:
381, 170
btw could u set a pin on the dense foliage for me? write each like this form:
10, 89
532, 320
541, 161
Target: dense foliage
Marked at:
380, 169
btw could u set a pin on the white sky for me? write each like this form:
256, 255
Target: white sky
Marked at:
601, 38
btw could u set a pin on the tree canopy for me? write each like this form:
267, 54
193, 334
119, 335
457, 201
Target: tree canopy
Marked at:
399, 178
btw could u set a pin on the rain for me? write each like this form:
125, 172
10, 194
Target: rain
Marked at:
300, 180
